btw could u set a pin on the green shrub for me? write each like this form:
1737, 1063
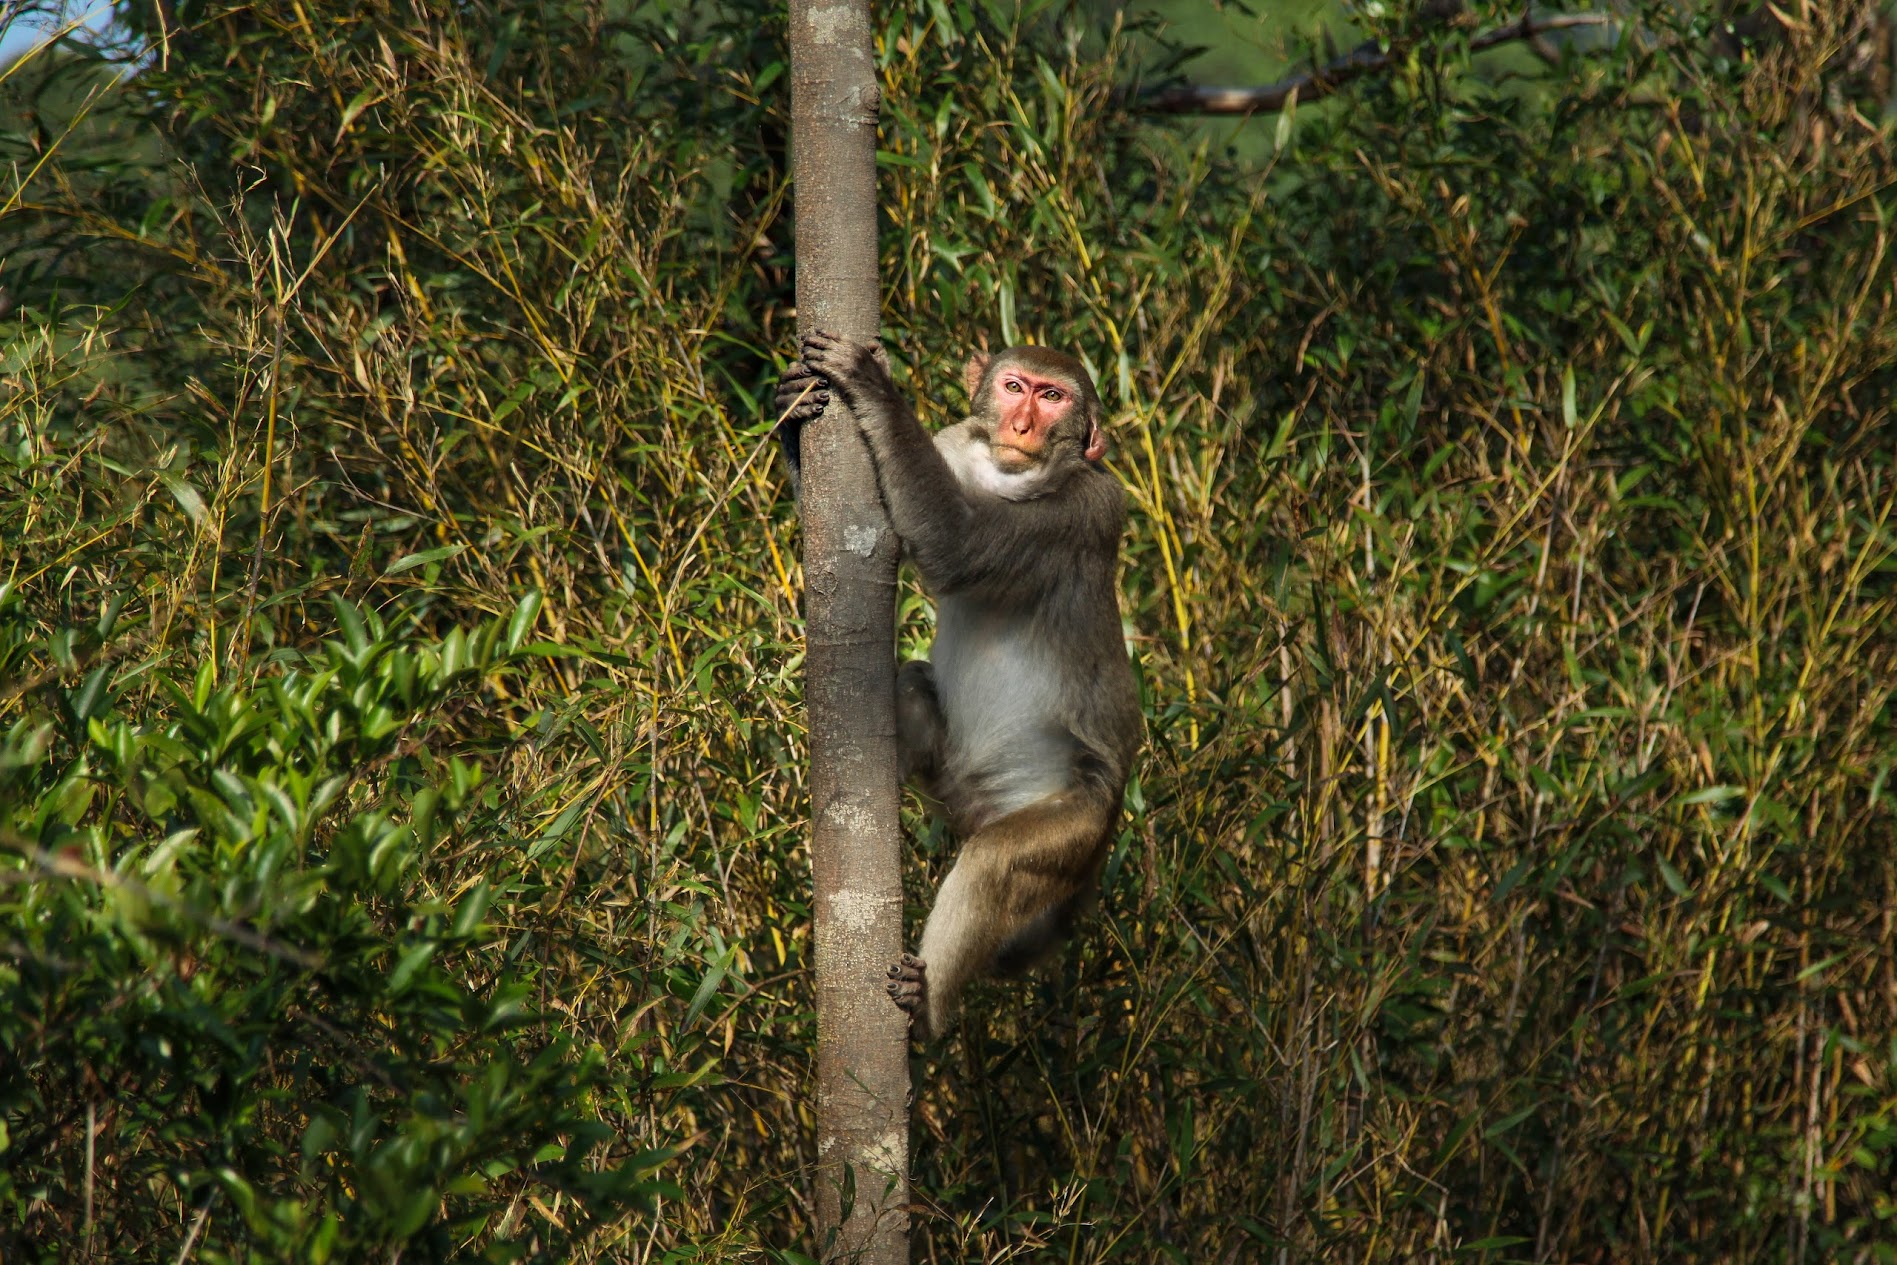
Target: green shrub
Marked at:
225, 987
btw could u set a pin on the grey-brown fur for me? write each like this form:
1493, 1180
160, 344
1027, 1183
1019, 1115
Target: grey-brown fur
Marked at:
1025, 725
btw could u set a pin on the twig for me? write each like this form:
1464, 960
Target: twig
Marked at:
197, 1226
13, 689
92, 1133
1365, 59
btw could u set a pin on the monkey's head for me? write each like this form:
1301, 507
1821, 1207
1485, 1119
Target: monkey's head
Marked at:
1037, 405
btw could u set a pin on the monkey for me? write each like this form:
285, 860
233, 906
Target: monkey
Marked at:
1022, 727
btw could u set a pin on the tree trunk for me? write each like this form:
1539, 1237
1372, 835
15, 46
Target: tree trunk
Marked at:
850, 557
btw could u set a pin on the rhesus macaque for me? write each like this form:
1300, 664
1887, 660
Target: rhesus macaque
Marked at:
1024, 725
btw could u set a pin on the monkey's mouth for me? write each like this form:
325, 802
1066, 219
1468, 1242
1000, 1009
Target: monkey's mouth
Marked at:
1009, 455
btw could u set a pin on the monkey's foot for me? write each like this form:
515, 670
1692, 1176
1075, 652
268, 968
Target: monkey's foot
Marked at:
909, 988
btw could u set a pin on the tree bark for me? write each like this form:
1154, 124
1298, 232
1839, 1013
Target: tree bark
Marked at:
850, 557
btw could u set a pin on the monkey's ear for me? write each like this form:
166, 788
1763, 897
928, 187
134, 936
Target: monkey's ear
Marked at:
972, 374
1096, 442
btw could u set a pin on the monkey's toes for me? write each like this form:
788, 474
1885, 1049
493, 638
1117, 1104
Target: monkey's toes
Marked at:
908, 983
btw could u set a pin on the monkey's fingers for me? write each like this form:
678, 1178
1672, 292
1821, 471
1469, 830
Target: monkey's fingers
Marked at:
843, 360
794, 394
801, 400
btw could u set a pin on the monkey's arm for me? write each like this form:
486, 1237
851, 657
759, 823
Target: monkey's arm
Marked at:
925, 501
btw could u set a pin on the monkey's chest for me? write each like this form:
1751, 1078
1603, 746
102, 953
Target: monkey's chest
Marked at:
999, 689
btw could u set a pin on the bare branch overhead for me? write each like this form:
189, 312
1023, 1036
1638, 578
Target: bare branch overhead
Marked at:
1365, 59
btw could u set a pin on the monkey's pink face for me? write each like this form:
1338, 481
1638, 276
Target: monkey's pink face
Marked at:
1029, 408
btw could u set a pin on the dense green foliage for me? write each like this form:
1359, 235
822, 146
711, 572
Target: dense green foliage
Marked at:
1510, 873
212, 934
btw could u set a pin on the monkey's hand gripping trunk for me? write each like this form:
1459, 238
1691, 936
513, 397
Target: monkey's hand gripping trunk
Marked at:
930, 524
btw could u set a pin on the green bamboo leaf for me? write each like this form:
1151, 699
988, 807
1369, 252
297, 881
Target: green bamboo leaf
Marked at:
186, 496
1713, 795
523, 621
422, 559
1281, 136
357, 104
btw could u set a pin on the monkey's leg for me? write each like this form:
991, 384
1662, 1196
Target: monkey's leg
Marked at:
1017, 880
1026, 948
920, 729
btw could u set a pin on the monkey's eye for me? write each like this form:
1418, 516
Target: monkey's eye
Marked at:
1012, 387
1051, 395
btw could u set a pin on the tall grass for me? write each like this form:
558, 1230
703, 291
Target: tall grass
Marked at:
1509, 872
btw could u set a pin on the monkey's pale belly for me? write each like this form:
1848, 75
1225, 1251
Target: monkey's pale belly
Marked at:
999, 695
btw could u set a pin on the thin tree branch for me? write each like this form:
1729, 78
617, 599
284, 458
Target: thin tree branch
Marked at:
1365, 59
